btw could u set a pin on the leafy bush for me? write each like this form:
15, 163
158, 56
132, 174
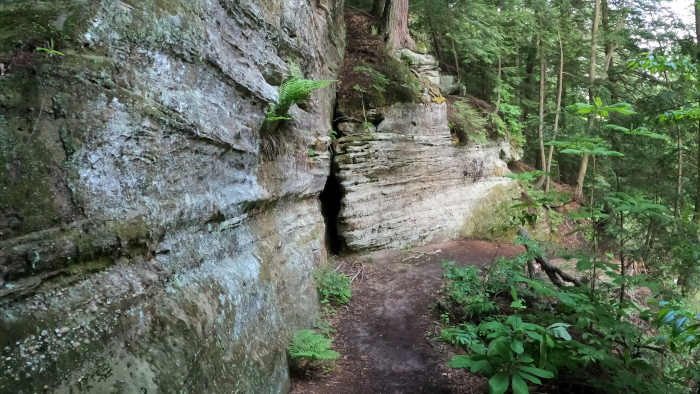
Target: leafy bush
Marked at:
333, 287
310, 347
294, 90
470, 121
462, 335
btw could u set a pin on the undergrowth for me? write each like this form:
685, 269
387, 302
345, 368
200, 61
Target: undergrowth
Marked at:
311, 347
520, 331
333, 287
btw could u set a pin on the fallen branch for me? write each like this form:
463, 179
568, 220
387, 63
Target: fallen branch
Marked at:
358, 273
555, 274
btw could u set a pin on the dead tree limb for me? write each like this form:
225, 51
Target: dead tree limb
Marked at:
555, 274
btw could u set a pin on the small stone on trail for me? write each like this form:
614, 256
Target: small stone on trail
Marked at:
64, 330
44, 333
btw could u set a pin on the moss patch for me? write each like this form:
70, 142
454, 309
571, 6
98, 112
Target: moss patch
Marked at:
365, 49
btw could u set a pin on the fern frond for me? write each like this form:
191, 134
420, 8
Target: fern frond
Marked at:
333, 287
295, 71
294, 90
306, 344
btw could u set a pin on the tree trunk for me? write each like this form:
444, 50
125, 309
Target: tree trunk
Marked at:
454, 50
611, 47
581, 176
540, 129
394, 26
578, 193
498, 88
680, 173
435, 36
378, 8
556, 116
622, 258
697, 37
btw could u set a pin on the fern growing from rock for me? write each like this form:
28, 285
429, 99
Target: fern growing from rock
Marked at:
307, 346
294, 90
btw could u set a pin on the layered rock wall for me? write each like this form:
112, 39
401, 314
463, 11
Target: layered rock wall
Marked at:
147, 245
406, 182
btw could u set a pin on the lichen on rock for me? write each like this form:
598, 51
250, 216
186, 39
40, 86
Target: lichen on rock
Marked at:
136, 210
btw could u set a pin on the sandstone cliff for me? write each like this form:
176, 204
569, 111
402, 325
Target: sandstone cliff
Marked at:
146, 244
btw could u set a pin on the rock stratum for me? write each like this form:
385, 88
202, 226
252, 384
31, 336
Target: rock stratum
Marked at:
405, 182
154, 238
147, 244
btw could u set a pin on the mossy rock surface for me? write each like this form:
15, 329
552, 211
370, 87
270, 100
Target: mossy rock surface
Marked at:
138, 219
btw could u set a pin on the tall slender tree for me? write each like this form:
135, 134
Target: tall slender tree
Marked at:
578, 192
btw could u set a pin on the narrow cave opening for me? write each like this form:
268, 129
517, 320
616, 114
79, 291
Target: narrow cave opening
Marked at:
331, 199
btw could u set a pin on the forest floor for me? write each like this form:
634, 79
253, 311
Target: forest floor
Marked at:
384, 334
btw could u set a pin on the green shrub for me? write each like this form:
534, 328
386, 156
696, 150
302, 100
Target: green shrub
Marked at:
462, 335
333, 287
307, 346
294, 90
470, 121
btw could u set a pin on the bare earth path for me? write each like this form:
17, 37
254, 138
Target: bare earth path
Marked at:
382, 332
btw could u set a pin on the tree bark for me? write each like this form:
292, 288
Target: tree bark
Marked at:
378, 8
697, 37
556, 116
578, 193
612, 47
436, 37
500, 75
394, 26
540, 130
454, 50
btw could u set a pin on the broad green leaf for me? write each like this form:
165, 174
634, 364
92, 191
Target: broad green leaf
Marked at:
538, 372
529, 377
498, 384
517, 346
572, 151
519, 385
584, 265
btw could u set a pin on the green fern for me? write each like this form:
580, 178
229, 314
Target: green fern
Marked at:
309, 346
294, 90
333, 287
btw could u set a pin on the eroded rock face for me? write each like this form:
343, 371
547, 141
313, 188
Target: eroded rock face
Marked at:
146, 242
406, 183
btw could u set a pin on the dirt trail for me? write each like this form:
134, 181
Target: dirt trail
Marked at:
382, 332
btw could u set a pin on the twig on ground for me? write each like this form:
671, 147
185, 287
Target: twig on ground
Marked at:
41, 110
358, 273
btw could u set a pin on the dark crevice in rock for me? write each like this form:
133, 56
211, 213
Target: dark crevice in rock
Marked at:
331, 201
338, 118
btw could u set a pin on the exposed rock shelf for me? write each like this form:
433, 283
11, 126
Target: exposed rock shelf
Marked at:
406, 183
